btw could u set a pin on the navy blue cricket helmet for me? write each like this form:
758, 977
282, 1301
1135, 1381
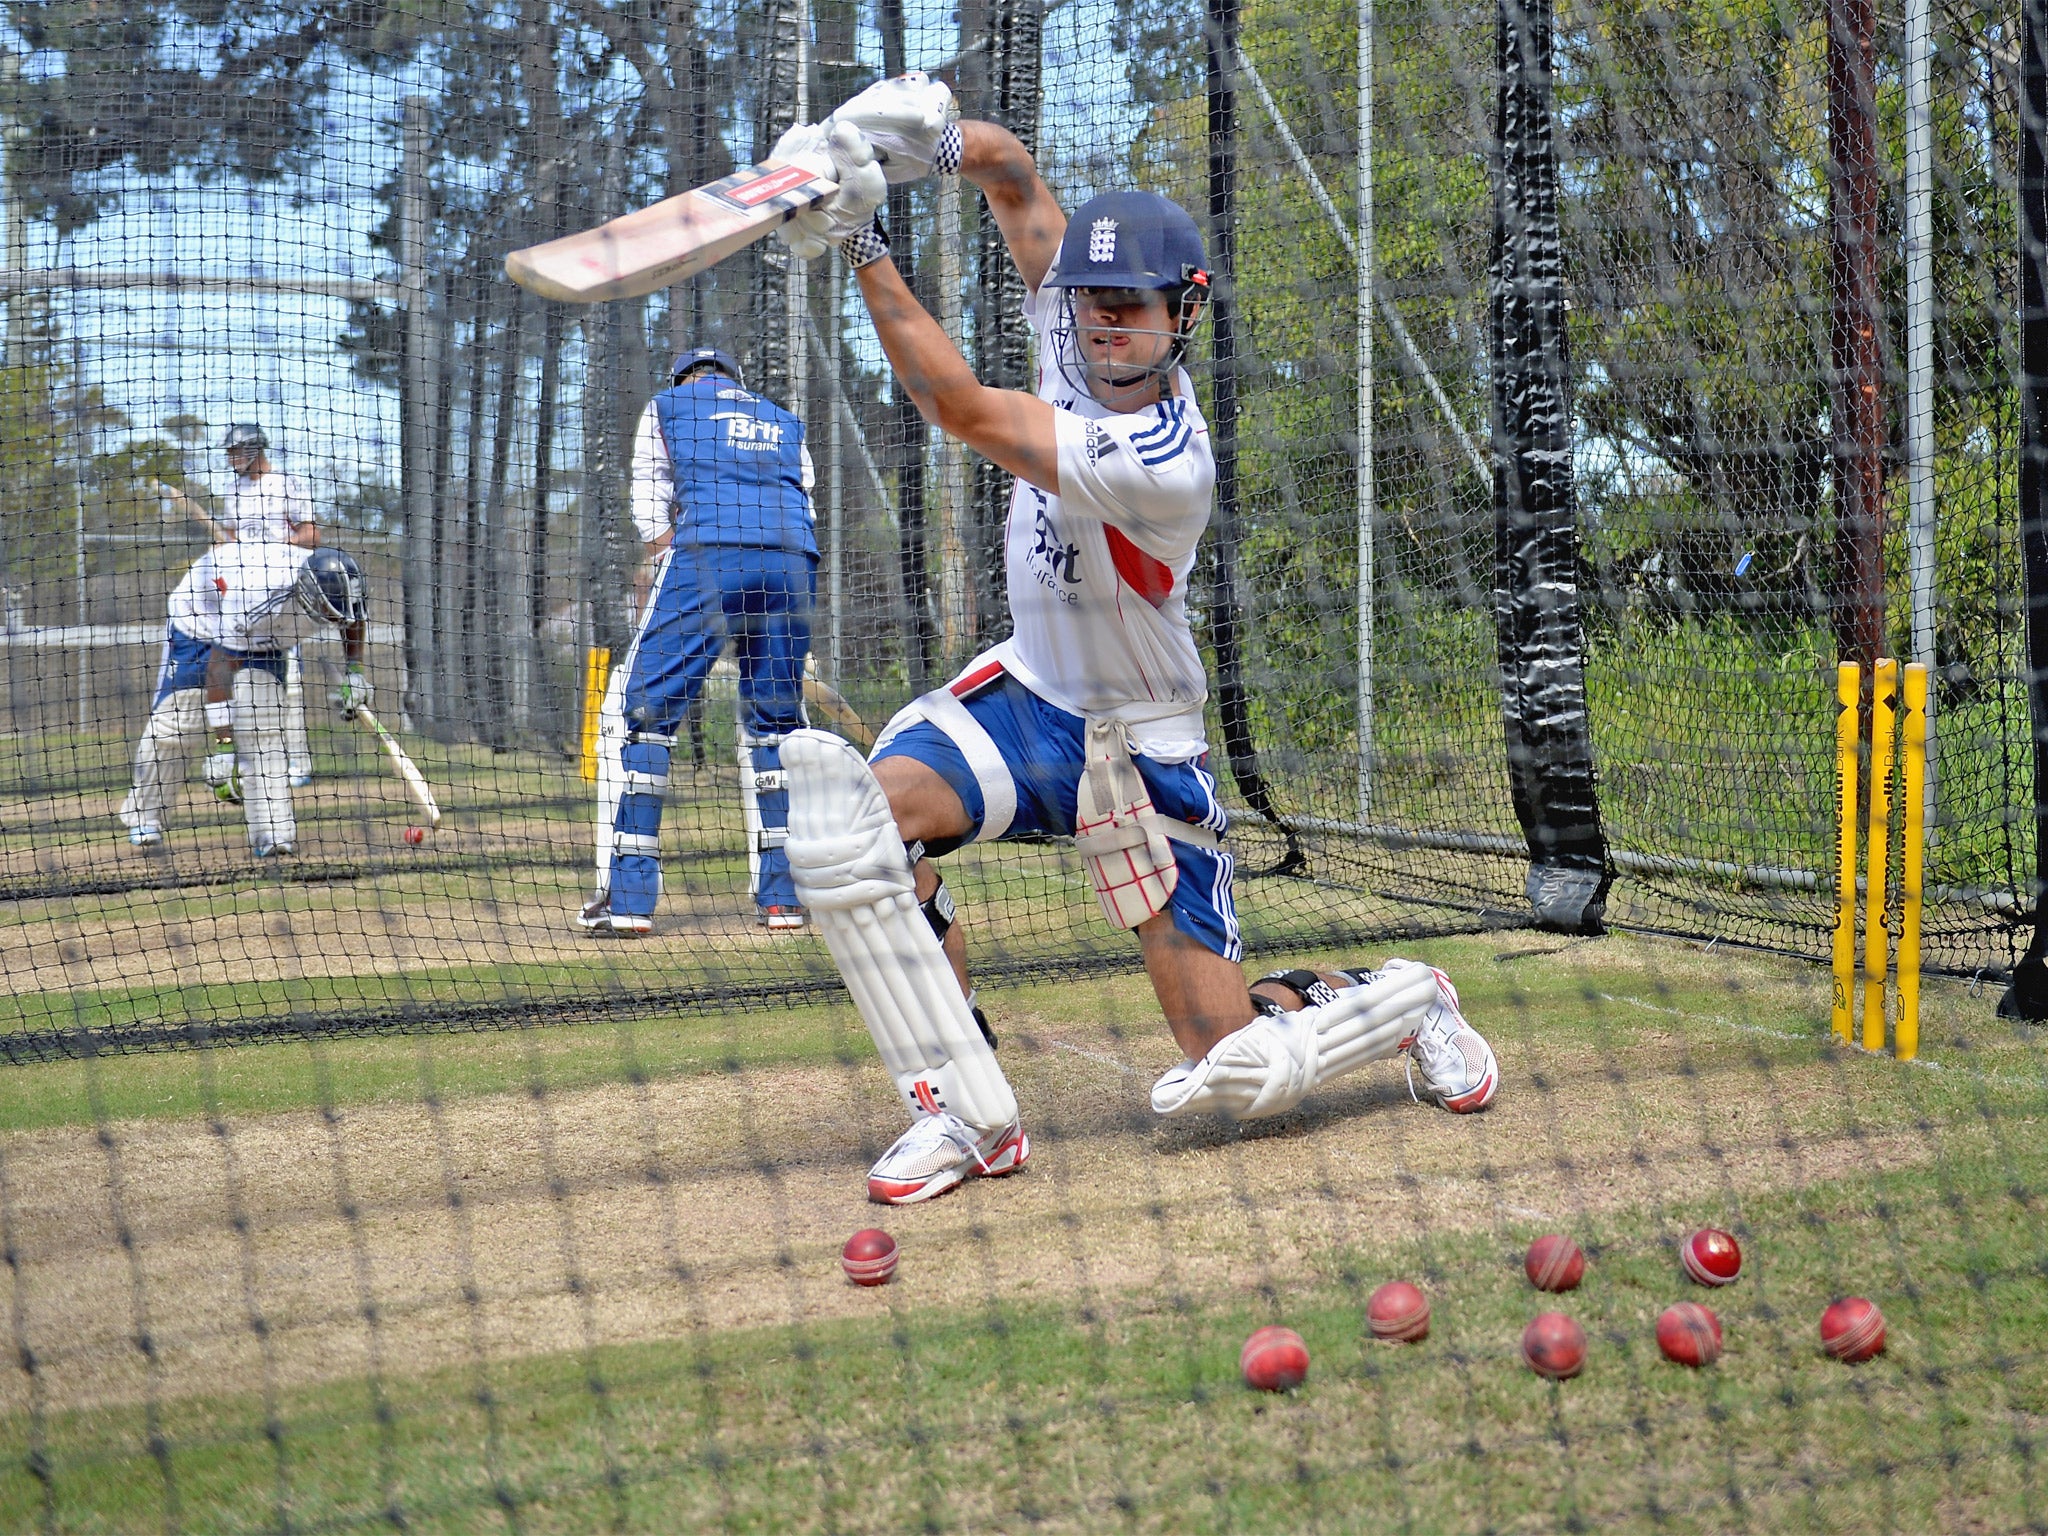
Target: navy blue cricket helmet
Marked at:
698, 358
1131, 240
330, 587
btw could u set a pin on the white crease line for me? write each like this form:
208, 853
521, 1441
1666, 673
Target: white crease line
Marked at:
2005, 1078
1107, 1061
1708, 1018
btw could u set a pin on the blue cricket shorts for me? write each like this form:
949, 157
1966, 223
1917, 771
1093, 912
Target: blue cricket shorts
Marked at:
1042, 745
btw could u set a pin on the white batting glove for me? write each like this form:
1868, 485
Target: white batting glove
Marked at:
354, 693
224, 774
840, 154
909, 120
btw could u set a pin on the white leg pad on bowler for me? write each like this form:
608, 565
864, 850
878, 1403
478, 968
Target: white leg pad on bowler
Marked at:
846, 857
1270, 1065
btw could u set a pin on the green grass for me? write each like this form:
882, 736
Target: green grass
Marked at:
1117, 1405
993, 1415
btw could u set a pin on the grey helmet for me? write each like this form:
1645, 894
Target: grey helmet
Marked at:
244, 434
330, 586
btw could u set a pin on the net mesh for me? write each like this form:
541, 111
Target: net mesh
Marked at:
583, 1269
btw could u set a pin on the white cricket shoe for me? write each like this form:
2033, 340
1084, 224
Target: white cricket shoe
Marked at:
937, 1152
597, 916
148, 835
782, 919
1457, 1065
300, 774
273, 850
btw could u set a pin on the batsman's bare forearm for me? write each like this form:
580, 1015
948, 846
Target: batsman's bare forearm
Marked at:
996, 161
352, 642
1013, 429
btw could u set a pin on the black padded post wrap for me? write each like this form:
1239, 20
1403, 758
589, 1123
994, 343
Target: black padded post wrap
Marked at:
1539, 624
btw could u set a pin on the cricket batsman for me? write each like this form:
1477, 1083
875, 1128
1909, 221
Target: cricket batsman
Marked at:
271, 597
1088, 721
721, 495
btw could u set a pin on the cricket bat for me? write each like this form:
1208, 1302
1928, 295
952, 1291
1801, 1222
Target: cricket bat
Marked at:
676, 238
827, 701
414, 781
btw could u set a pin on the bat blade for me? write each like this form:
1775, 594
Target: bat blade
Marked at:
827, 700
409, 775
676, 238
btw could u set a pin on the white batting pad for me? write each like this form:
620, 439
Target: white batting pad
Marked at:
611, 775
1368, 1023
854, 878
259, 744
297, 749
175, 726
1263, 1069
1270, 1065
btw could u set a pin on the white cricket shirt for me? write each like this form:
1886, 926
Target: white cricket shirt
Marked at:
269, 510
258, 610
195, 603
1098, 575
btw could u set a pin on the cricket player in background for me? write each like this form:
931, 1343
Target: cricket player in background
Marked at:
265, 505
177, 715
1089, 721
721, 497
272, 596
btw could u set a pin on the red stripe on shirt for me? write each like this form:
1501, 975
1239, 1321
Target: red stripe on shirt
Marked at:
1151, 579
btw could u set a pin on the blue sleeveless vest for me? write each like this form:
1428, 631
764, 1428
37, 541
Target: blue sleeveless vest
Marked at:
738, 468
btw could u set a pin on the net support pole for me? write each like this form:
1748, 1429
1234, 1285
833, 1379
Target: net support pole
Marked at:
2027, 997
1919, 445
1539, 624
1225, 608
1367, 491
835, 533
796, 288
1857, 394
416, 411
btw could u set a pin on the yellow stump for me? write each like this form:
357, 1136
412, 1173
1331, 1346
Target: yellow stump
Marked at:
1884, 698
1912, 857
597, 667
1848, 680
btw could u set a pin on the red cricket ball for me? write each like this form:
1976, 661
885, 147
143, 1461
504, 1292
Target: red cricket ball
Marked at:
1711, 1257
415, 835
1274, 1360
869, 1257
1555, 1263
1554, 1346
1689, 1334
1398, 1311
1852, 1330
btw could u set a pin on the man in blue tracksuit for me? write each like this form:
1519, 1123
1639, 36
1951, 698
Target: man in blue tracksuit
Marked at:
722, 500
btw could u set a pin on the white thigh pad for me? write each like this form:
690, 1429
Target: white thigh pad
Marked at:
1120, 836
853, 876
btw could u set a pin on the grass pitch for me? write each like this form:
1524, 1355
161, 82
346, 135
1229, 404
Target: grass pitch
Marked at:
582, 1278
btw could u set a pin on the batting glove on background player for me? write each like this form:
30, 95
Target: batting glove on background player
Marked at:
839, 154
909, 120
354, 694
225, 775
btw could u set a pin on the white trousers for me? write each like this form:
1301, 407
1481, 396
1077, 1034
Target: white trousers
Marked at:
176, 727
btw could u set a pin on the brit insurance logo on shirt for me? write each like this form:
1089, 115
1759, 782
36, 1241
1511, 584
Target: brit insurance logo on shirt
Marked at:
1055, 564
747, 433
